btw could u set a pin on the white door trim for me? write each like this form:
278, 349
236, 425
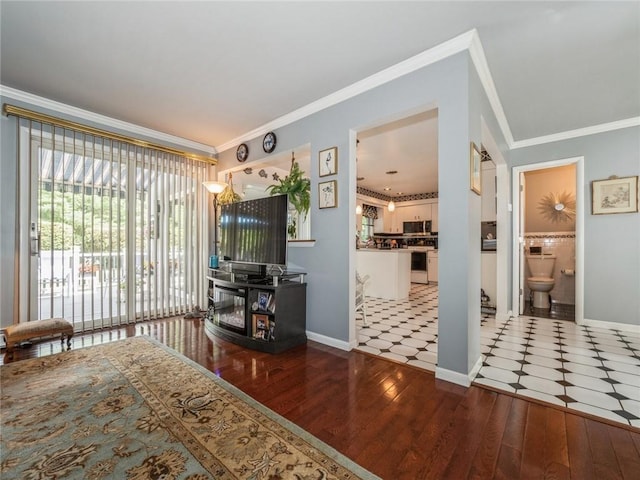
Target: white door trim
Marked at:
580, 213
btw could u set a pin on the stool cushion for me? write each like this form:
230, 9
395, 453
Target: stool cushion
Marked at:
37, 328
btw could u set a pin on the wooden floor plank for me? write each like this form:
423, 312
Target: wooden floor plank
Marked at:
484, 462
626, 453
533, 461
556, 453
397, 421
579, 449
605, 461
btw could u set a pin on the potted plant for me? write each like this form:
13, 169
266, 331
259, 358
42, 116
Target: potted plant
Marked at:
299, 190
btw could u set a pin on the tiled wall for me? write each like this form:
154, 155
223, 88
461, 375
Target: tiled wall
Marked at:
563, 246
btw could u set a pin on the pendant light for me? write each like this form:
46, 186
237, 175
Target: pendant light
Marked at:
358, 209
391, 206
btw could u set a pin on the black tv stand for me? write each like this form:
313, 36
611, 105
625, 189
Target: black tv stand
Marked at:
242, 308
251, 271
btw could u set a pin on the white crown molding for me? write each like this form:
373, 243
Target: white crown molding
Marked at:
467, 41
421, 60
579, 132
42, 102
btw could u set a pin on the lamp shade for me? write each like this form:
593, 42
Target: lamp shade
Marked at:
215, 187
391, 206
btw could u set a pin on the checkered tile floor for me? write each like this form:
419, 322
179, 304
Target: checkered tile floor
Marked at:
594, 370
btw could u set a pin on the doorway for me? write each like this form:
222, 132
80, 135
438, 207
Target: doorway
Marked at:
548, 240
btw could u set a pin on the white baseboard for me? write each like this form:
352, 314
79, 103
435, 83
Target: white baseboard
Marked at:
331, 342
625, 327
453, 377
476, 368
503, 316
457, 377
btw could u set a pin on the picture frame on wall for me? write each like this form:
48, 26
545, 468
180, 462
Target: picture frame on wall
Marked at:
327, 194
614, 195
475, 169
328, 162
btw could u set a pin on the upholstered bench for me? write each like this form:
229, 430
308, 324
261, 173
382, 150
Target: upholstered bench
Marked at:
36, 329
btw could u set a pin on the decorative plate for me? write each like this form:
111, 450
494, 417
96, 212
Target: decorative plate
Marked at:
269, 142
242, 152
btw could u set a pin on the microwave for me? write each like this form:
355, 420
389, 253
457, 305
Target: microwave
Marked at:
420, 227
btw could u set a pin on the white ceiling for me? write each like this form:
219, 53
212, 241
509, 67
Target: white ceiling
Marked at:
212, 71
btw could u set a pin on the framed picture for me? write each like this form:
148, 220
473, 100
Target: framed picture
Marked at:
328, 161
327, 194
614, 195
263, 300
261, 327
474, 169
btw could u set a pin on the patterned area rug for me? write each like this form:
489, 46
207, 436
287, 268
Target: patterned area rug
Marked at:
136, 409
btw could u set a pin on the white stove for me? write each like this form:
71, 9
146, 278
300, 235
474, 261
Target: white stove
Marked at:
419, 264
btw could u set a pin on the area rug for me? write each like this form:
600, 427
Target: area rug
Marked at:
135, 409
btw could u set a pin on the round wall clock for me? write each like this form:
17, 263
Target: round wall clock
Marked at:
242, 152
269, 142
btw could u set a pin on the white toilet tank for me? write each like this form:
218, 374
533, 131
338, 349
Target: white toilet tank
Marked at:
541, 265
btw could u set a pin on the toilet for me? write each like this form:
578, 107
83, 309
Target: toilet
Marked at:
541, 280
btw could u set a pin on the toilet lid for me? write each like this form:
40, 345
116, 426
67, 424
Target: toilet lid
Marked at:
541, 279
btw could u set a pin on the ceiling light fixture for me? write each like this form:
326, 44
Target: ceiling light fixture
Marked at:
391, 206
358, 209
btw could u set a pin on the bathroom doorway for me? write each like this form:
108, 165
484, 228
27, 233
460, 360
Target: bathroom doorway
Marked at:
548, 240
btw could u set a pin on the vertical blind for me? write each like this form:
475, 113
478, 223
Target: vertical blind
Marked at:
117, 230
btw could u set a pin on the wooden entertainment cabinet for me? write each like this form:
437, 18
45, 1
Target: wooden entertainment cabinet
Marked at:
261, 311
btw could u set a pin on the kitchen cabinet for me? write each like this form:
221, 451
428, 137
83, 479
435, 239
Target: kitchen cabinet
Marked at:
391, 224
413, 213
432, 266
389, 272
393, 221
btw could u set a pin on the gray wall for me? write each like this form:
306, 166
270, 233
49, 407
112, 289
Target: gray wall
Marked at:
612, 242
612, 245
445, 85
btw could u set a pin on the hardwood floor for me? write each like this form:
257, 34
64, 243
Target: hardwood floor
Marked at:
397, 421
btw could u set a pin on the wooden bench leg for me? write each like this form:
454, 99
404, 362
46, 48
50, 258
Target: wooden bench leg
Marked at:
68, 341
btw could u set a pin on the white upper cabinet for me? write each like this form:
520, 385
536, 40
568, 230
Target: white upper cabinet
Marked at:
393, 221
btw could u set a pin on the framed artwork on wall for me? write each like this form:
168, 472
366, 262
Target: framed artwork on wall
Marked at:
475, 169
327, 194
328, 162
614, 195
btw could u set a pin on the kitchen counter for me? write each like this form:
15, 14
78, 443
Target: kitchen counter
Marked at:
389, 272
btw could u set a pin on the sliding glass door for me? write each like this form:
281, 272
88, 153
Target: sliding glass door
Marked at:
116, 231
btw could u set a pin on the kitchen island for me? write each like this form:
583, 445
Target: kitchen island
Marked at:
389, 272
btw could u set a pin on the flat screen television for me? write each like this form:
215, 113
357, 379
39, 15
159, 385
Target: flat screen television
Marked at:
255, 231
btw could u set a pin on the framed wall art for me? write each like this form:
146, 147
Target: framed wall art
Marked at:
328, 162
614, 195
327, 194
475, 169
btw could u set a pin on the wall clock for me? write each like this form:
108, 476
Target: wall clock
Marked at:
269, 142
242, 152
